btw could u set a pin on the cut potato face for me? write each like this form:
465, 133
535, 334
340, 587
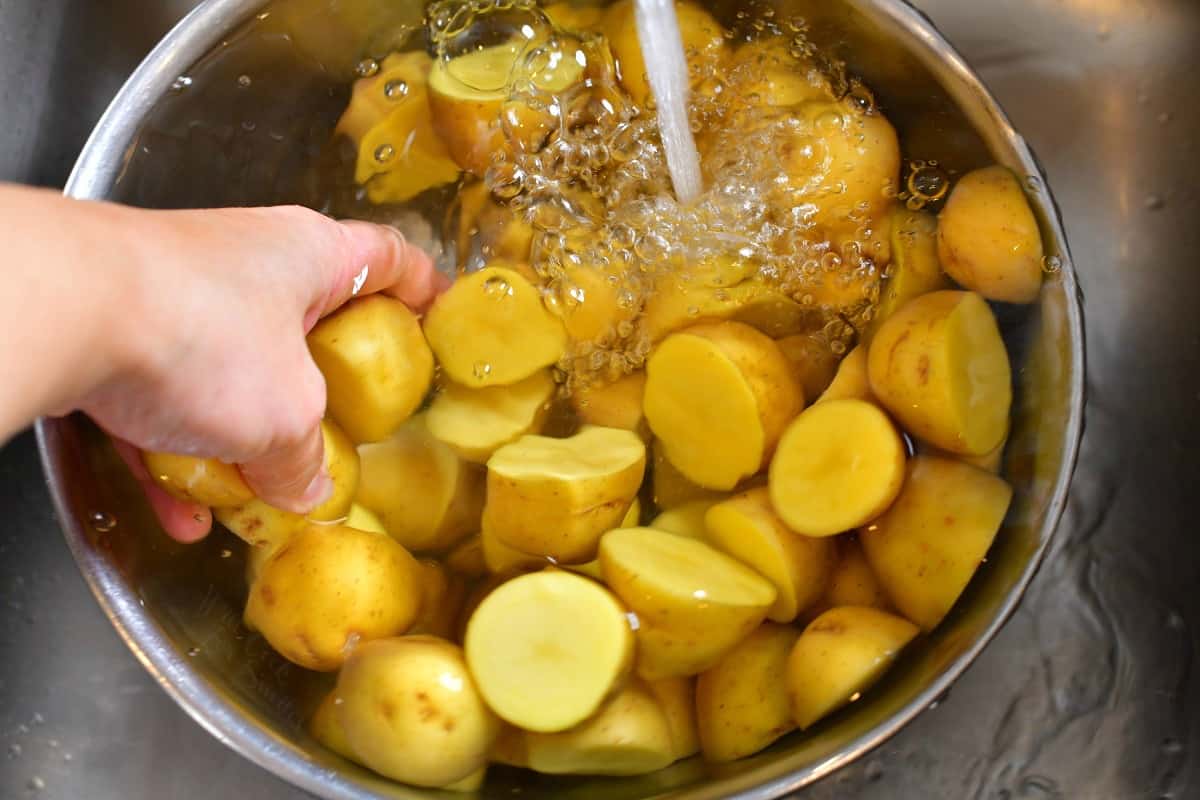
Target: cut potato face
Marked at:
840, 655
328, 587
915, 269
555, 497
718, 396
988, 238
839, 464
685, 520
491, 329
613, 405
851, 381
546, 649
477, 422
939, 366
411, 711
677, 699
629, 735
376, 364
427, 498
670, 488
364, 519
742, 703
500, 559
206, 481
746, 527
927, 546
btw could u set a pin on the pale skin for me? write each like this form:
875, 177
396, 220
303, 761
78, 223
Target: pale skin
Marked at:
183, 331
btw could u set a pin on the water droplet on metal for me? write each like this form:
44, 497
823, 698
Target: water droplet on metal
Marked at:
181, 83
1033, 183
102, 521
193, 652
384, 153
366, 68
1051, 264
396, 90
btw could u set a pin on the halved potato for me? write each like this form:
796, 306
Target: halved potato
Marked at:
490, 329
477, 422
206, 481
853, 582
718, 396
927, 546
686, 519
839, 656
851, 381
547, 648
617, 404
555, 497
500, 559
376, 364
940, 367
677, 699
915, 269
668, 653
839, 464
669, 487
364, 519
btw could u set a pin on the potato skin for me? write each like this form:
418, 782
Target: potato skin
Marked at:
411, 712
206, 481
988, 238
328, 584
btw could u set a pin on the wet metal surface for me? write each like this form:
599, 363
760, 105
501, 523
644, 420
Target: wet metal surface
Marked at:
1087, 693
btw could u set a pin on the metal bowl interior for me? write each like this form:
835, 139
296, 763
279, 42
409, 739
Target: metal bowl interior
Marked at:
225, 141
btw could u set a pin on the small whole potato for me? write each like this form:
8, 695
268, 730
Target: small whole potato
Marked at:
411, 712
988, 238
329, 586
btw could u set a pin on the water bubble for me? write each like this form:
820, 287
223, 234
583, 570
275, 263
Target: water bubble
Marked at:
497, 288
384, 153
193, 652
182, 83
506, 180
481, 370
367, 68
395, 90
102, 521
1051, 264
244, 81
927, 182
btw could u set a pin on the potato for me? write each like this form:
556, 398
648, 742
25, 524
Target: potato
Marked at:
500, 559
491, 329
988, 238
991, 461
509, 748
617, 404
670, 488
746, 527
588, 301
853, 582
555, 497
345, 471
915, 269
718, 396
364, 519
629, 735
411, 711
426, 496
839, 464
206, 481
840, 655
703, 45
399, 155
813, 362
477, 422
503, 233
930, 542
328, 587
677, 699
775, 314
442, 598
851, 381
712, 291
547, 648
742, 703
940, 367
326, 728
764, 70
686, 519
472, 783
376, 364
668, 653
592, 568
571, 17
467, 559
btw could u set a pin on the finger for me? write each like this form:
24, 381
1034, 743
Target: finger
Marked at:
292, 477
376, 258
183, 521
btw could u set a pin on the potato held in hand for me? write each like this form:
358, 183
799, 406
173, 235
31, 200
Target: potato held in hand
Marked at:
930, 542
206, 481
477, 422
410, 711
940, 367
839, 655
490, 329
718, 396
547, 648
555, 497
988, 238
376, 364
328, 584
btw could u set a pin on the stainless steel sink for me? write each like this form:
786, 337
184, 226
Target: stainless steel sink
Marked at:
1087, 693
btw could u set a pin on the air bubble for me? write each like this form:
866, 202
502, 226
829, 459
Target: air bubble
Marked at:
481, 370
395, 90
367, 68
182, 83
384, 153
102, 521
193, 652
244, 81
497, 288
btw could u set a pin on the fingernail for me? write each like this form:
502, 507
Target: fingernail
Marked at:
318, 491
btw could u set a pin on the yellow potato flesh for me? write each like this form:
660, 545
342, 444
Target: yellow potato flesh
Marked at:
840, 655
364, 519
629, 735
589, 304
555, 497
746, 527
686, 519
491, 329
718, 396
851, 381
328, 587
500, 559
477, 422
742, 703
988, 238
813, 362
940, 367
326, 728
399, 153
927, 546
853, 582
411, 711
840, 464
915, 269
547, 648
677, 699
670, 488
613, 405
682, 584
206, 481
376, 364
427, 498
344, 469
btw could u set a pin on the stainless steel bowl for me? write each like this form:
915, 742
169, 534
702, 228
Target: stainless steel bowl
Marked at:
246, 128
